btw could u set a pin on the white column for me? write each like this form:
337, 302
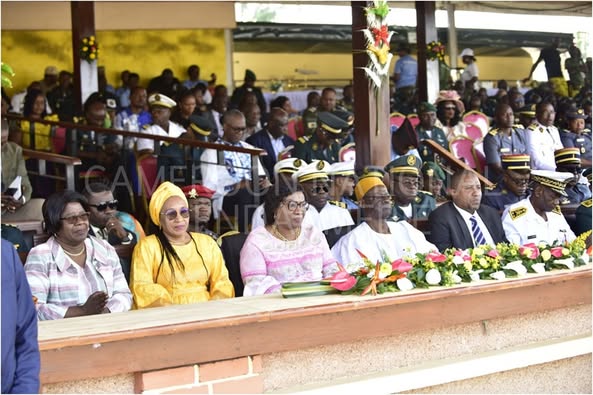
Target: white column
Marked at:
89, 79
452, 37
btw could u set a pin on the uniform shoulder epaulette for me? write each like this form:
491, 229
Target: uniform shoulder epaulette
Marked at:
557, 210
493, 131
517, 212
146, 126
337, 203
533, 126
586, 203
303, 139
493, 187
425, 193
312, 109
518, 126
587, 131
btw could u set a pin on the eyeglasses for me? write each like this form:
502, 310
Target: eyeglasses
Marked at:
74, 219
112, 204
238, 129
379, 198
171, 214
317, 190
291, 205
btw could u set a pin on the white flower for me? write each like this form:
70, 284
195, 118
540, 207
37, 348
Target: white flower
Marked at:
517, 266
568, 262
539, 267
433, 277
404, 284
458, 260
475, 276
455, 277
499, 275
371, 273
585, 257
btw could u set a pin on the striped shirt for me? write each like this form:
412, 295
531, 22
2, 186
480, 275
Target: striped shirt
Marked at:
59, 283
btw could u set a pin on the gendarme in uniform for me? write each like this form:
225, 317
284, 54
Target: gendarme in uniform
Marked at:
424, 203
329, 128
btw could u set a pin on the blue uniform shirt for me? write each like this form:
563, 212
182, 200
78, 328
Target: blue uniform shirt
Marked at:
20, 350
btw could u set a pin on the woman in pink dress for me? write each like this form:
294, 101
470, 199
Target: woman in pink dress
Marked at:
284, 250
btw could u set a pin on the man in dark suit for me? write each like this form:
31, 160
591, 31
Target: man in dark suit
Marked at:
464, 223
272, 138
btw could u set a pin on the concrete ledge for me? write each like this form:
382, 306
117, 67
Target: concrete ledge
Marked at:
463, 368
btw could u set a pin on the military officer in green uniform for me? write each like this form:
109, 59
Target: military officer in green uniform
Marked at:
434, 180
427, 131
310, 114
324, 143
583, 213
409, 202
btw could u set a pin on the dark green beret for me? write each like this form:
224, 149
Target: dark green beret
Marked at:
431, 169
331, 123
200, 125
426, 107
250, 75
345, 116
15, 236
404, 164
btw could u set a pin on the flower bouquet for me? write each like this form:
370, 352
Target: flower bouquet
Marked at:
435, 50
454, 266
89, 49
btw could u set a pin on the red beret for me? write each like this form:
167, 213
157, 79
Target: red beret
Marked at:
195, 191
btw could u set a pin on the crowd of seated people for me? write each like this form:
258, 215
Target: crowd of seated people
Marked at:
316, 210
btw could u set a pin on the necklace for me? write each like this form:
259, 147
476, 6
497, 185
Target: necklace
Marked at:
79, 253
295, 232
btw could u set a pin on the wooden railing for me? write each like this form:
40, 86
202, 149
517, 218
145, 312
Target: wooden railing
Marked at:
42, 157
73, 145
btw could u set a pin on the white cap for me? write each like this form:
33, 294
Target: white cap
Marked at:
158, 99
288, 165
554, 180
316, 170
467, 52
341, 169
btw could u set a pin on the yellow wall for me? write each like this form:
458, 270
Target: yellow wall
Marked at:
146, 52
281, 66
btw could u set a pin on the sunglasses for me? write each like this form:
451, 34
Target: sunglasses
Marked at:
319, 189
450, 108
171, 214
74, 219
103, 205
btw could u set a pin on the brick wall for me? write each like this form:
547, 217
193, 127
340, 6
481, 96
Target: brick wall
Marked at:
239, 375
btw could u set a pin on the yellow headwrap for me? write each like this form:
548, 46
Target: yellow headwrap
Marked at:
366, 184
160, 196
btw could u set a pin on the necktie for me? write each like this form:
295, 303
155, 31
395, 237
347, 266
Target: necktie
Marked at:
479, 238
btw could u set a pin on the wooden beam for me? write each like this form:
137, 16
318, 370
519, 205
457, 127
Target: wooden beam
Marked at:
371, 113
426, 31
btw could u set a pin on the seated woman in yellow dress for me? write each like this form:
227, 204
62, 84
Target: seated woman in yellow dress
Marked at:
174, 266
35, 108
